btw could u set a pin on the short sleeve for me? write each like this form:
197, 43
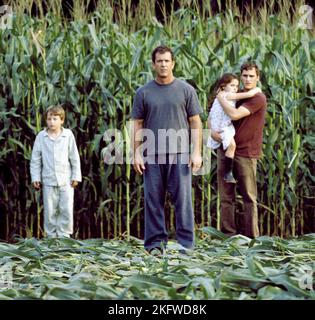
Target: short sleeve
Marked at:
255, 103
193, 107
138, 106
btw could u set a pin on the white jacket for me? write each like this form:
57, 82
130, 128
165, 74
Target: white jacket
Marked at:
55, 162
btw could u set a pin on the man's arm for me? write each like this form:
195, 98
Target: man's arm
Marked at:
233, 113
138, 163
196, 137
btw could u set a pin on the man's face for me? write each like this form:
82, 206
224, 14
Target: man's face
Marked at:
163, 65
249, 78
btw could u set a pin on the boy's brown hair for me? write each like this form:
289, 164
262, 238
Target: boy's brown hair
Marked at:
56, 111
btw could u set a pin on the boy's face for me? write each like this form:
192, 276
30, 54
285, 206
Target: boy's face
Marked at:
249, 78
54, 122
232, 86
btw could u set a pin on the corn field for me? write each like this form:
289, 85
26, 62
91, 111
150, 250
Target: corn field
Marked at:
94, 62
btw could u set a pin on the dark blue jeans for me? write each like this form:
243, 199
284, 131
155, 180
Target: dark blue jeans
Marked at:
173, 176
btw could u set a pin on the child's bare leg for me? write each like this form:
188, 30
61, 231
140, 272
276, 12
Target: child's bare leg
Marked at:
229, 157
230, 150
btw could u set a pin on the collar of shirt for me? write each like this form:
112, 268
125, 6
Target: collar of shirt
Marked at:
62, 134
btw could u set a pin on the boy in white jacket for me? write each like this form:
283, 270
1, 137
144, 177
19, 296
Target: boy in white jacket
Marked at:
55, 164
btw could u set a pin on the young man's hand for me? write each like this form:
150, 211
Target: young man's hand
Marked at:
255, 91
36, 185
74, 183
215, 135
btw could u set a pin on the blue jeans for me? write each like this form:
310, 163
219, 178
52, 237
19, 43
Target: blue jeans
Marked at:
173, 176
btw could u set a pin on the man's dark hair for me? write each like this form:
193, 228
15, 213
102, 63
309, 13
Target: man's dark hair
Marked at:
161, 50
250, 65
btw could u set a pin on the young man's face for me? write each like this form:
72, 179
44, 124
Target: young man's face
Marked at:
163, 65
54, 122
249, 78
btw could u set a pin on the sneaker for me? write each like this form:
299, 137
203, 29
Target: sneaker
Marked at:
180, 248
229, 178
157, 252
186, 251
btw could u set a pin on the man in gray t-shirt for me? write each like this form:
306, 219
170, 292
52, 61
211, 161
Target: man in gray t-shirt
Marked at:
166, 109
166, 112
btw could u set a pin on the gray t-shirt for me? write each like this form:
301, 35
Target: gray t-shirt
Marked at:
165, 110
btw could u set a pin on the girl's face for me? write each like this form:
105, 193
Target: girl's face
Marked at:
232, 86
